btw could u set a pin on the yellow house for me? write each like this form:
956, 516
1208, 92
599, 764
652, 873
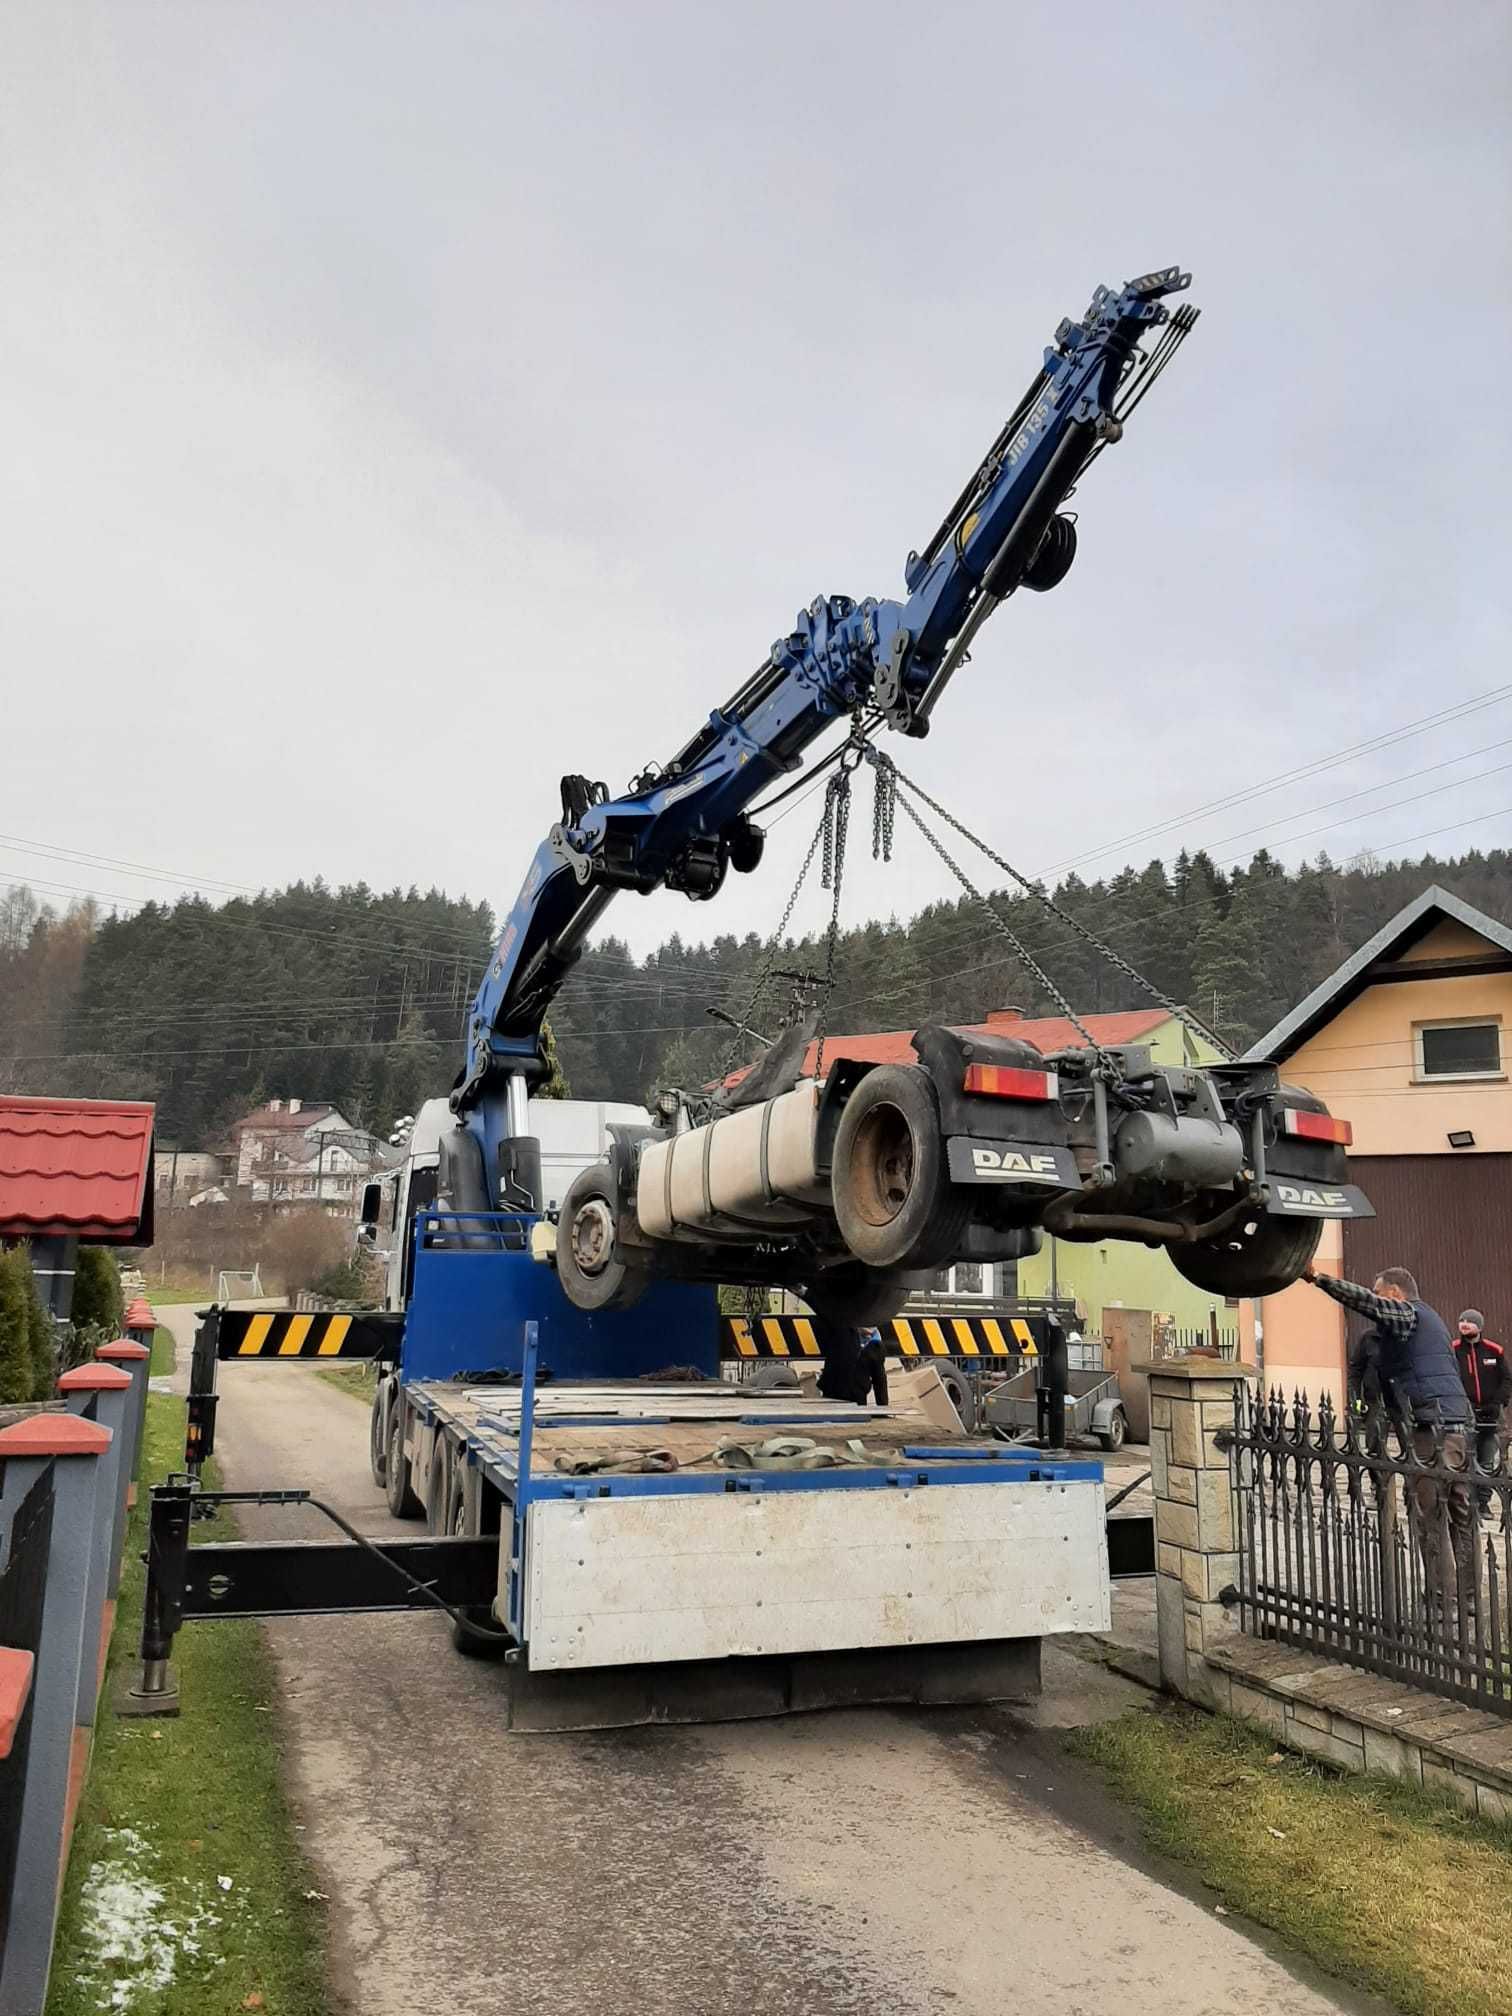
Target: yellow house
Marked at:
1405, 1041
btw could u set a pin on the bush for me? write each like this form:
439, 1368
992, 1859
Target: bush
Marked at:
353, 1282
97, 1298
28, 1351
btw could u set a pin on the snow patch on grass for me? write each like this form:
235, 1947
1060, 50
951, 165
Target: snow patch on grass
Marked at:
132, 1941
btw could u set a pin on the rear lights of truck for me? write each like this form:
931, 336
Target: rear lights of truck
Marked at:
1316, 1127
1007, 1081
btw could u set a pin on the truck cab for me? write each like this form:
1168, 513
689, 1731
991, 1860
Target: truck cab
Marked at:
574, 1136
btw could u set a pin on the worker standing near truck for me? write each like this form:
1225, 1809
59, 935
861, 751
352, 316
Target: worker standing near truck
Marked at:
1487, 1379
1409, 1348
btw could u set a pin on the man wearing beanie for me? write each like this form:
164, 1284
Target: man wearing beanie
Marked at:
1487, 1379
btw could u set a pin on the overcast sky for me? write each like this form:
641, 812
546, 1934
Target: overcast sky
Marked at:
404, 404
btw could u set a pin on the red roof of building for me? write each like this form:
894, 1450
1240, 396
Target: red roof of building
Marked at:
81, 1166
1047, 1033
264, 1120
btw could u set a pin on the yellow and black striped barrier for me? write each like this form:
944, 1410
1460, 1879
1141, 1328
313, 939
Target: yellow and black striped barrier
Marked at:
291, 1333
908, 1336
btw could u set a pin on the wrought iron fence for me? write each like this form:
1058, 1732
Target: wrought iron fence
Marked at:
1377, 1543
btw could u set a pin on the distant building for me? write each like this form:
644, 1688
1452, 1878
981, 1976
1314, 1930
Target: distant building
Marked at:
180, 1172
296, 1152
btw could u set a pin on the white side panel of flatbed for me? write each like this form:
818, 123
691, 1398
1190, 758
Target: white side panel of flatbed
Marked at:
632, 1581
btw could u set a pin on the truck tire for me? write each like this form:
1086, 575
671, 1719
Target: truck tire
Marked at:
475, 1633
856, 1296
397, 1489
438, 1490
1260, 1256
1116, 1433
958, 1386
588, 1267
894, 1201
378, 1433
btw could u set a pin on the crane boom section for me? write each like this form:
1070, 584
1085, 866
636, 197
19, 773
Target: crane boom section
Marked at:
684, 824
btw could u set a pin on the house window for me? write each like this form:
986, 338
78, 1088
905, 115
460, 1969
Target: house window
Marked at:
1458, 1050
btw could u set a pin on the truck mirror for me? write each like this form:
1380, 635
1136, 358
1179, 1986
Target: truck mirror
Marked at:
372, 1204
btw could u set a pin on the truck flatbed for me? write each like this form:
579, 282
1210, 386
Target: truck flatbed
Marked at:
691, 1424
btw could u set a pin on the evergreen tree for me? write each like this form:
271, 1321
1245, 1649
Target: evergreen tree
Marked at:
17, 1371
97, 1298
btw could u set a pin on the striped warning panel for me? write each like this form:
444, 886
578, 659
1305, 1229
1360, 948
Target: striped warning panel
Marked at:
946, 1336
289, 1333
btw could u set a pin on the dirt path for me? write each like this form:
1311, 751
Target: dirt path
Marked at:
888, 1863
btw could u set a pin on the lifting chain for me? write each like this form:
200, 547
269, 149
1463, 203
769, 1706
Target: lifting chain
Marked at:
1021, 951
884, 809
775, 942
837, 803
1115, 959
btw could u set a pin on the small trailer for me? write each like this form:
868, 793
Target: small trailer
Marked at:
1094, 1407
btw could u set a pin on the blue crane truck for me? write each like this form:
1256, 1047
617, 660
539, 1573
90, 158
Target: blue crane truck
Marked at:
604, 1510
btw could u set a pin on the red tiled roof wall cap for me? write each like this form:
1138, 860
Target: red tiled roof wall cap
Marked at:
73, 1166
53, 1435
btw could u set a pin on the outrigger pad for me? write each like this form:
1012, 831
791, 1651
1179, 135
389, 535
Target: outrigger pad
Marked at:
743, 1690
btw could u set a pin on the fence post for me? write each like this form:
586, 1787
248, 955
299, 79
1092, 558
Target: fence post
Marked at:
101, 1393
71, 1448
109, 1388
136, 1359
1195, 1543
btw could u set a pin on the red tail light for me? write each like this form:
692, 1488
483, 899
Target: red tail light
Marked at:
1006, 1081
1316, 1127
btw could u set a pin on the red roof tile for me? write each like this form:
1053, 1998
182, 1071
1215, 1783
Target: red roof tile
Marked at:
74, 1166
1047, 1033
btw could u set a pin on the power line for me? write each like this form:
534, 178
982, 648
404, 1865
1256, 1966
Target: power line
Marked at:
1331, 762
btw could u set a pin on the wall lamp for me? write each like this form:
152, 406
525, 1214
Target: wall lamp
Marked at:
1462, 1138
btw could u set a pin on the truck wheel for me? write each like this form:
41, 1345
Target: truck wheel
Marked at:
587, 1265
438, 1491
958, 1386
855, 1296
1116, 1432
402, 1501
378, 1434
474, 1633
1259, 1256
894, 1202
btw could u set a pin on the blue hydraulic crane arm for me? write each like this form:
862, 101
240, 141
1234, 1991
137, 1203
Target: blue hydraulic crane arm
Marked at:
684, 824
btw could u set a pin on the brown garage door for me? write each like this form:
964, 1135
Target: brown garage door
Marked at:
1448, 1218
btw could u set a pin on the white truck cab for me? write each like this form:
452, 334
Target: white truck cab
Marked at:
573, 1133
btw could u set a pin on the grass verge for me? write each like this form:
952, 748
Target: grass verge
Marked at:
187, 1893
1386, 1887
357, 1380
164, 1359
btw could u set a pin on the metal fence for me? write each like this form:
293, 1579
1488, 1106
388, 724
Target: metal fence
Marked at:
1375, 1543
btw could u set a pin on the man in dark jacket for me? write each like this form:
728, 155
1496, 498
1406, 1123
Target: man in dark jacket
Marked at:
855, 1367
1488, 1387
1409, 1348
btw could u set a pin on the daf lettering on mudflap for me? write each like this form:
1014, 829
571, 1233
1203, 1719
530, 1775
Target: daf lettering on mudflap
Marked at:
1010, 1162
1299, 1200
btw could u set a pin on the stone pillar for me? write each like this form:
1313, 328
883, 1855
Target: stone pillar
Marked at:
103, 1393
136, 1359
70, 1449
1195, 1542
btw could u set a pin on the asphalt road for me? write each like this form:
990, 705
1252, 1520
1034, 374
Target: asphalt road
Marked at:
892, 1863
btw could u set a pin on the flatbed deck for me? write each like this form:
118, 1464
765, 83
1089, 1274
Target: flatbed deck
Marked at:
619, 1424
